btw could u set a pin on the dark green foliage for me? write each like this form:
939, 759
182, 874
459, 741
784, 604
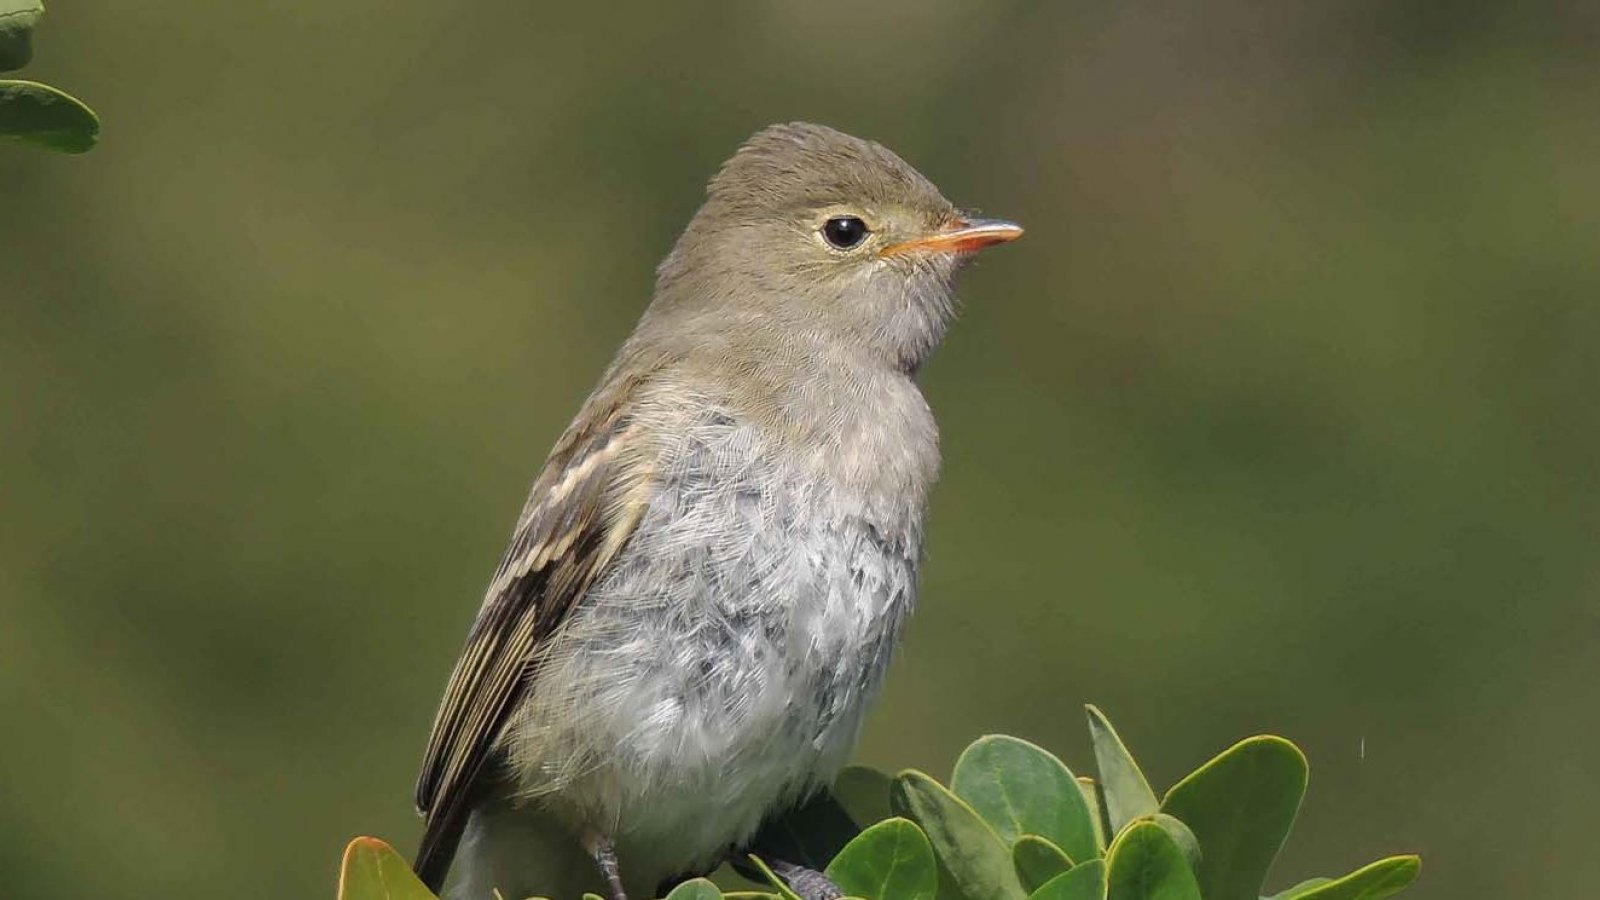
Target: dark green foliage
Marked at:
31, 112
891, 859
1181, 835
1240, 806
1021, 789
1384, 878
46, 117
1037, 861
695, 889
977, 860
1085, 881
1126, 793
17, 19
1146, 864
1016, 824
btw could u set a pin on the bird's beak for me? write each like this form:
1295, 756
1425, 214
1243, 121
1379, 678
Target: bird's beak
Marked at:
960, 235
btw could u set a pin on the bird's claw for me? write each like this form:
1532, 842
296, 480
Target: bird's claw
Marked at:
808, 883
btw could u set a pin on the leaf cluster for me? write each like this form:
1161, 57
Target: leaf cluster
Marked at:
1014, 823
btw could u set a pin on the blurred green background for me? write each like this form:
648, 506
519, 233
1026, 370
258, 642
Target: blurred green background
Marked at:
1281, 418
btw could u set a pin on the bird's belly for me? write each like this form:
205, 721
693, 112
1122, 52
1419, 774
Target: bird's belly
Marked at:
721, 669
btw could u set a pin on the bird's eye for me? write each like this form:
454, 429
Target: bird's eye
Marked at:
844, 232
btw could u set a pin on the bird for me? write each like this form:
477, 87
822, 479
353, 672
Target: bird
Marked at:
701, 594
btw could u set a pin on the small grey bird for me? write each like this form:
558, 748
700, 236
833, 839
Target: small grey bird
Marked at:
702, 592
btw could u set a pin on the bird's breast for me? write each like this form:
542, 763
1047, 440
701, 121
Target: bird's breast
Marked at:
725, 660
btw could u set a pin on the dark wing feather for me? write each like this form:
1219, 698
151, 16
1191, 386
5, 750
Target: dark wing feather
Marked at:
581, 511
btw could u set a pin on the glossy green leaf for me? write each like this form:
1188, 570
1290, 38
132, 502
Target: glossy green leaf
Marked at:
1384, 878
1145, 864
695, 889
17, 21
1299, 889
771, 877
1020, 789
1182, 836
1127, 792
1085, 881
863, 793
892, 860
1037, 861
589, 896
1095, 800
373, 871
1240, 806
39, 114
968, 849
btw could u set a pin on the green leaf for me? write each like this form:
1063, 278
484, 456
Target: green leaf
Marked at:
1037, 861
1299, 889
1085, 881
695, 889
892, 860
39, 114
970, 851
1095, 800
1128, 795
784, 891
17, 20
1020, 789
373, 871
589, 896
1240, 806
1374, 881
1145, 864
1183, 837
809, 835
864, 794
749, 895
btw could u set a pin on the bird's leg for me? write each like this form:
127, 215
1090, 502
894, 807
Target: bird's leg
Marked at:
605, 857
808, 883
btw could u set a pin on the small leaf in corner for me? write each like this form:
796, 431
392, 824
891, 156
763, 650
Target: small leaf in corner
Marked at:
373, 871
47, 117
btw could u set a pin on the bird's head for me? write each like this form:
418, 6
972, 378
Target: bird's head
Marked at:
809, 232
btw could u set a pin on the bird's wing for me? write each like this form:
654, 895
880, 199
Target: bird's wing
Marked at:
583, 508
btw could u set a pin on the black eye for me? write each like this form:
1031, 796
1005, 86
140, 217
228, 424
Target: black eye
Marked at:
844, 232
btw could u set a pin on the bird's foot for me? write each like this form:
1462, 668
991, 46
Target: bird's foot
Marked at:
605, 857
808, 883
